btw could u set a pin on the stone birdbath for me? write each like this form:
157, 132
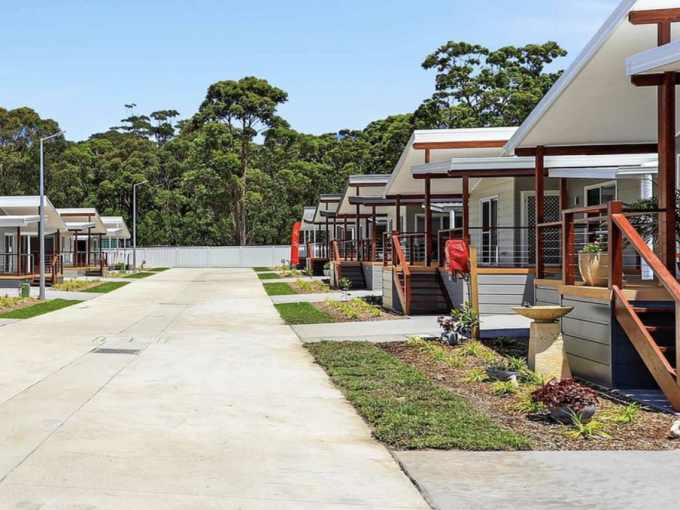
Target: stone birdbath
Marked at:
547, 355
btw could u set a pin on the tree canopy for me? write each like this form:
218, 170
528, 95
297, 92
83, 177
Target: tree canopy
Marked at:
235, 172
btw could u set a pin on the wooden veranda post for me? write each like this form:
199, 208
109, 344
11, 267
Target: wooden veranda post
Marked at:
374, 238
398, 207
466, 210
667, 169
428, 221
17, 249
540, 212
615, 246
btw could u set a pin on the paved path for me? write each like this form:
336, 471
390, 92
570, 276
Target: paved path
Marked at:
399, 330
546, 480
207, 402
320, 298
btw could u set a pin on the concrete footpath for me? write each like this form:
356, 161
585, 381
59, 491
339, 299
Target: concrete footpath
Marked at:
181, 391
398, 330
546, 480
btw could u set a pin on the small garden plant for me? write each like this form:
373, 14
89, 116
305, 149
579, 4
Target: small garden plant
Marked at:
566, 393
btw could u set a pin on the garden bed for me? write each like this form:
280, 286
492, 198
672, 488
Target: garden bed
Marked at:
355, 310
404, 408
459, 369
298, 287
10, 304
33, 308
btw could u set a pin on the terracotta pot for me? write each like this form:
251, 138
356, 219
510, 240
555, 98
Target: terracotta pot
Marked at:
594, 268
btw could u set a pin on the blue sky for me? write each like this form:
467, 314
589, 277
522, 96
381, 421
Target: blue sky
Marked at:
343, 64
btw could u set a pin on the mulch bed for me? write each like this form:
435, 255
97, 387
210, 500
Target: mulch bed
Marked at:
18, 304
364, 316
649, 432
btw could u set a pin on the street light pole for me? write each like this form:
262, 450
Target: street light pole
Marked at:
134, 225
41, 223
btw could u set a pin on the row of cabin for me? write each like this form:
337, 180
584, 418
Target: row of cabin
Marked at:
529, 200
77, 240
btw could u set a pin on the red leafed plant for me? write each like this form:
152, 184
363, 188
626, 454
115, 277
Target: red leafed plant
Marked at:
447, 324
565, 393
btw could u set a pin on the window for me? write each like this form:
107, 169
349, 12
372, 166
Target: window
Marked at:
439, 222
600, 193
489, 230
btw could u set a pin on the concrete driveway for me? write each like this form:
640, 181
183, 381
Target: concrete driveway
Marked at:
181, 391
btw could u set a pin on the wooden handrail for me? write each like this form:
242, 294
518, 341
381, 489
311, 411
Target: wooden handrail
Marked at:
335, 257
664, 276
658, 365
404, 293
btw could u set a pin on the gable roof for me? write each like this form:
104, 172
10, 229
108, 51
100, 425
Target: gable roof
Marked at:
401, 181
594, 102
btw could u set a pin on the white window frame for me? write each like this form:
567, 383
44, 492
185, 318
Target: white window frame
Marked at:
600, 185
441, 217
482, 201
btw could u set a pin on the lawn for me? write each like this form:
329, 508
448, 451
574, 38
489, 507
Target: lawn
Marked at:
279, 289
39, 309
268, 276
75, 285
138, 276
403, 407
159, 269
262, 269
107, 287
302, 313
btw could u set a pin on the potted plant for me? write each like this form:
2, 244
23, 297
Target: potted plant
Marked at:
327, 269
466, 320
501, 369
593, 263
567, 399
449, 334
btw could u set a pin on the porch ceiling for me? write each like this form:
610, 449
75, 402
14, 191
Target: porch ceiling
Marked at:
594, 101
87, 217
116, 222
467, 143
662, 59
30, 206
18, 221
362, 186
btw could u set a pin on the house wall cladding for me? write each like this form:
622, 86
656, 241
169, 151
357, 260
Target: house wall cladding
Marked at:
206, 256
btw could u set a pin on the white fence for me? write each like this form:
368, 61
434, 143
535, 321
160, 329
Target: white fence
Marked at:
203, 256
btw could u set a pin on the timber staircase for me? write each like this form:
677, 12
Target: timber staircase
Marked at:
428, 294
421, 290
651, 329
354, 273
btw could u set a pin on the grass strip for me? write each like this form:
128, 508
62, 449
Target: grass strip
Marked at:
262, 269
403, 407
159, 269
268, 276
107, 287
39, 309
279, 289
302, 313
137, 276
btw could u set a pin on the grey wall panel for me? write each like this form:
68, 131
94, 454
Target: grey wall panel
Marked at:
496, 310
500, 290
590, 370
503, 299
592, 331
504, 279
588, 310
587, 349
546, 296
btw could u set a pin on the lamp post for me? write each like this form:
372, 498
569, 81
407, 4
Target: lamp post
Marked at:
134, 225
41, 223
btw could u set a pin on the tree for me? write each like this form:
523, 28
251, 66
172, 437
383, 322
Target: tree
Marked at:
477, 87
247, 107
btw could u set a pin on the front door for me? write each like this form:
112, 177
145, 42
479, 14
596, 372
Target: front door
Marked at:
490, 231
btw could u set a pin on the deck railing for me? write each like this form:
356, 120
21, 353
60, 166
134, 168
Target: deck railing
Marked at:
497, 247
16, 264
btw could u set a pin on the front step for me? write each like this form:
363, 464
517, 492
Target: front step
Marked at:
355, 274
427, 295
